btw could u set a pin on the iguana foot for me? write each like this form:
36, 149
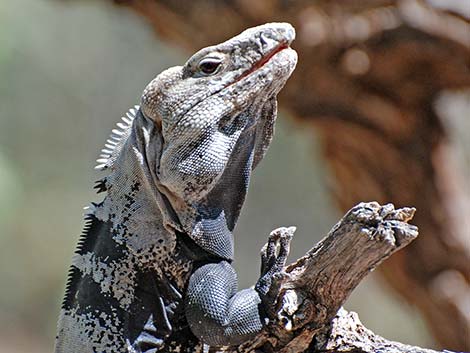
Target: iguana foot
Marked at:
273, 258
148, 340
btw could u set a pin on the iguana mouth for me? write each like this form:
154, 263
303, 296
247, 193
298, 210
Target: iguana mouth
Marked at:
265, 59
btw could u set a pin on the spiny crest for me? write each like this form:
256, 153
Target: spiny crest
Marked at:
100, 185
116, 140
86, 228
107, 158
72, 270
68, 286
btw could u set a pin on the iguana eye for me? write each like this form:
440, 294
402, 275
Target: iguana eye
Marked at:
209, 65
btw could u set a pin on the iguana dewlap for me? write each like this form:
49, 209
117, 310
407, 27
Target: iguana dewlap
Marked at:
152, 270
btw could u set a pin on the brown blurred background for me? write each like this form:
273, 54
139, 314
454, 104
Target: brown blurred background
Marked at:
69, 70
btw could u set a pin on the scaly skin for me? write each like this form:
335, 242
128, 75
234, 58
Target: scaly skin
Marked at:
152, 271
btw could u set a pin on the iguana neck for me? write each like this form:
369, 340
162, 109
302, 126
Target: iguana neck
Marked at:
133, 205
138, 203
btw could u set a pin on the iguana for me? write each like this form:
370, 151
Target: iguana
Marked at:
152, 271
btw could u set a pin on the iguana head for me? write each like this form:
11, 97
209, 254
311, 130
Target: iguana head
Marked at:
241, 61
216, 115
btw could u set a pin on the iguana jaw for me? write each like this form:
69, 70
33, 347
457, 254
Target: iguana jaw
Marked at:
265, 59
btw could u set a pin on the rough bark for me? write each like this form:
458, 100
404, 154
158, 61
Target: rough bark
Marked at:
367, 79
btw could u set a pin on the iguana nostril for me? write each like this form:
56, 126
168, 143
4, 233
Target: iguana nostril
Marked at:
263, 40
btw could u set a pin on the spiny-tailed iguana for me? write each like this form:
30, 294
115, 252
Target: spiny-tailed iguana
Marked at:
152, 269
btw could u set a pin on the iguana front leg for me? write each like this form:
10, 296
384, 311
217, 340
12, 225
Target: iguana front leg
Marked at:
218, 314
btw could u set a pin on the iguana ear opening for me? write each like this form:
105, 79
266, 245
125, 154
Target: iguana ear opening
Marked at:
158, 122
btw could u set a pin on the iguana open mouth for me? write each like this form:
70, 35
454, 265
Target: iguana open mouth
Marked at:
264, 60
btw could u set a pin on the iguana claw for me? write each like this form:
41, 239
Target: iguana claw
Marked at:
273, 257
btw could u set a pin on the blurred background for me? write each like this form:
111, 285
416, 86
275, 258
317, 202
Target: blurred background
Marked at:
69, 70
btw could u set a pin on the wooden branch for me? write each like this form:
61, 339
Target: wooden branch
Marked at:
368, 234
306, 314
347, 334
